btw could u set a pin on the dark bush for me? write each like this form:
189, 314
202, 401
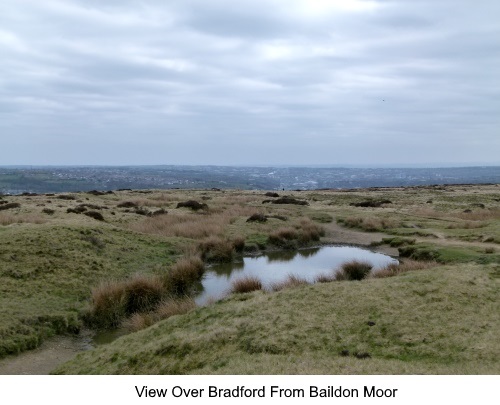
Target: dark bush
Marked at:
354, 270
66, 197
161, 211
287, 200
257, 218
371, 203
9, 206
77, 210
95, 215
127, 204
194, 205
48, 211
271, 194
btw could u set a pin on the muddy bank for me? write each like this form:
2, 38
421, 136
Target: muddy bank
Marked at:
52, 353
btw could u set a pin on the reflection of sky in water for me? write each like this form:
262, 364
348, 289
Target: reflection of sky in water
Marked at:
277, 266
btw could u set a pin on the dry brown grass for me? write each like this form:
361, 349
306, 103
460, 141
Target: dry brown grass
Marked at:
370, 224
291, 282
193, 226
246, 284
114, 300
394, 269
186, 271
216, 250
353, 270
166, 309
7, 218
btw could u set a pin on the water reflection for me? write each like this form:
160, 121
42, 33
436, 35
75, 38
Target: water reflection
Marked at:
277, 266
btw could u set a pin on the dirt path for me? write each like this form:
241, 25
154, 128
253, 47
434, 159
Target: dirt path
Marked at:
341, 235
47, 357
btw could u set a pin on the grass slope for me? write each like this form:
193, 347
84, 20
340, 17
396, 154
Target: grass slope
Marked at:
442, 320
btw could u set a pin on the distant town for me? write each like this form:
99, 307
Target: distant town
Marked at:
18, 180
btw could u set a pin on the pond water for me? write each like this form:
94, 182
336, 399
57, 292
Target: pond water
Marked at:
277, 266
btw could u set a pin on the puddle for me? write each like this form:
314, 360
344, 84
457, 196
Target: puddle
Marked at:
277, 266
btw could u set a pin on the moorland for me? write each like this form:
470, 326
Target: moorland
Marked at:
99, 260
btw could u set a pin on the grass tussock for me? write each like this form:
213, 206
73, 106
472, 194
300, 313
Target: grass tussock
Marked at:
166, 309
353, 270
291, 238
216, 250
393, 269
112, 301
183, 274
246, 284
292, 281
369, 224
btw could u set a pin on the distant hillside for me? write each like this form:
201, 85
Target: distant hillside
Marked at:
71, 178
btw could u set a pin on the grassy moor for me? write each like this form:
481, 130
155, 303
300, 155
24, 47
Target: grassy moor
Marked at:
86, 262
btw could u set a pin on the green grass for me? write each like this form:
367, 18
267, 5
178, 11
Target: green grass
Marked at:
47, 272
440, 319
305, 329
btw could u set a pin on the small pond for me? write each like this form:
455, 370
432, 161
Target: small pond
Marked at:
277, 266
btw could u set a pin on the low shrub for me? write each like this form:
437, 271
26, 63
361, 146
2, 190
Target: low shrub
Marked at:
354, 270
48, 211
246, 284
271, 194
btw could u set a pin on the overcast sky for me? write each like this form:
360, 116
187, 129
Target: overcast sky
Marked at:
241, 82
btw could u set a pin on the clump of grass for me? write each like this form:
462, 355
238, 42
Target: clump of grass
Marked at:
397, 241
284, 238
238, 244
246, 284
166, 308
489, 250
353, 270
216, 250
112, 301
48, 211
369, 224
292, 281
393, 269
183, 274
321, 217
325, 278
304, 233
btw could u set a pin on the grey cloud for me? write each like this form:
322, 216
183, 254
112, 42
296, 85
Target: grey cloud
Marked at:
211, 82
